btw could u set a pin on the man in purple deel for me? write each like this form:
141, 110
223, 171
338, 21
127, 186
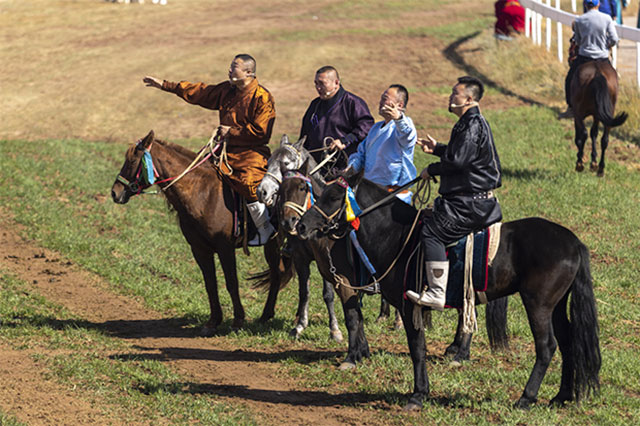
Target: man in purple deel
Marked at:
336, 114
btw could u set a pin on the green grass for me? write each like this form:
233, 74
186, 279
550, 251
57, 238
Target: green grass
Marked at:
84, 359
59, 189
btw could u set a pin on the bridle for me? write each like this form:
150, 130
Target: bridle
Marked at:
331, 220
142, 182
308, 202
299, 160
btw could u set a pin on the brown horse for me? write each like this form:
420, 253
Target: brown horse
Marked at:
205, 208
594, 90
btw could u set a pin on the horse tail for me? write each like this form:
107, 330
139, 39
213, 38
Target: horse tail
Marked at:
262, 280
604, 107
496, 323
584, 331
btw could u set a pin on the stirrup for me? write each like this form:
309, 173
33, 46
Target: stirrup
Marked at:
371, 289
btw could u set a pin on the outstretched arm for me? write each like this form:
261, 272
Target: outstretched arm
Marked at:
152, 82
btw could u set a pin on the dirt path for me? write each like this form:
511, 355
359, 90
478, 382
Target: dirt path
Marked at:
226, 371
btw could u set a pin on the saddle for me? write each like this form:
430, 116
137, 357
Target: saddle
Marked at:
243, 227
469, 261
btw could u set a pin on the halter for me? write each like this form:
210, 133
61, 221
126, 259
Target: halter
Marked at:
331, 222
308, 201
137, 186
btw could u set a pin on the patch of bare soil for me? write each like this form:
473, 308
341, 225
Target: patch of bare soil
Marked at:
216, 367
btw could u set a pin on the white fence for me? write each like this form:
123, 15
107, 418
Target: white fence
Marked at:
536, 9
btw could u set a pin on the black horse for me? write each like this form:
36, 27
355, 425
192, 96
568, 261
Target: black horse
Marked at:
541, 260
290, 189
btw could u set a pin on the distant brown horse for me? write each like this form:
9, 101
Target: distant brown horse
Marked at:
205, 207
594, 91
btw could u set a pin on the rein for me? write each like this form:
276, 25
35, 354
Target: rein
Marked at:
138, 187
332, 224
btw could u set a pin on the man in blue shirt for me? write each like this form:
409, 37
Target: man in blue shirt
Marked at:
386, 154
594, 33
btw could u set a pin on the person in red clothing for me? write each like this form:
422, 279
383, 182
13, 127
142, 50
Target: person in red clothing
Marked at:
509, 18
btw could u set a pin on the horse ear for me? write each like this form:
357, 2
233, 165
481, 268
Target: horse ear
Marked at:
284, 140
353, 178
304, 169
147, 140
298, 145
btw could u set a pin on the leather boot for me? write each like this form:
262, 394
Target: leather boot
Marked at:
260, 216
434, 296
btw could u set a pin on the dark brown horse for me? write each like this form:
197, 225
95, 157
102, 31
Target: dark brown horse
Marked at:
205, 207
594, 91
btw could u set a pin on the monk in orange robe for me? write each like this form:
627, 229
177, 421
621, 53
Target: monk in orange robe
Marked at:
247, 114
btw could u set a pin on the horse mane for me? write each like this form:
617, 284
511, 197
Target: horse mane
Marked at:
178, 148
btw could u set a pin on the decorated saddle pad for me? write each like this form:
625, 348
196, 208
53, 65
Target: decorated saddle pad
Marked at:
485, 246
479, 267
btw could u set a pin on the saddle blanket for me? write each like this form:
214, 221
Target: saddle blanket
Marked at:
485, 246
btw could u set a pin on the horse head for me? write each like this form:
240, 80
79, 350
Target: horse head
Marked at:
328, 215
288, 157
295, 196
132, 178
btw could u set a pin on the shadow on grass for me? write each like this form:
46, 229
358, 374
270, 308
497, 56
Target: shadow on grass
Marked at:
291, 397
525, 174
300, 356
182, 327
452, 54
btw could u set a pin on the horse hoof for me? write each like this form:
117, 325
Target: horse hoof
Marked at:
600, 173
451, 350
593, 166
579, 167
524, 403
294, 333
237, 324
455, 364
345, 366
559, 402
336, 336
412, 406
265, 318
208, 331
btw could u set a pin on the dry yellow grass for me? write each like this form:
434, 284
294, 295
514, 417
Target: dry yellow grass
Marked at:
73, 69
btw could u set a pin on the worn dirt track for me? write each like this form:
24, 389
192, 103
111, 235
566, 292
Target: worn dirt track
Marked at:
228, 372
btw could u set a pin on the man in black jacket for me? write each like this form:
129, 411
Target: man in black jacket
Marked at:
469, 170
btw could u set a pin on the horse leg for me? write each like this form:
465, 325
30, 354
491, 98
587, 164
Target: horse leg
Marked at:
227, 256
580, 139
273, 258
545, 343
328, 296
593, 134
604, 143
461, 346
204, 259
398, 324
563, 334
302, 315
496, 324
385, 310
415, 339
358, 344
